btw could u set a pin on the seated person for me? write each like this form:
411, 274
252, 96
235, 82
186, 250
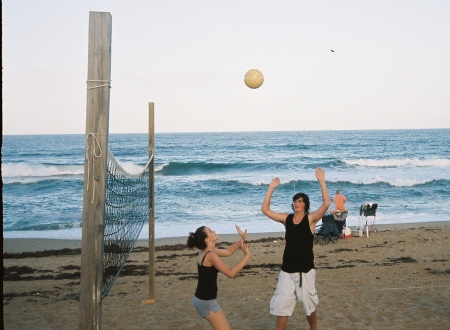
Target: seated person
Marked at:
339, 204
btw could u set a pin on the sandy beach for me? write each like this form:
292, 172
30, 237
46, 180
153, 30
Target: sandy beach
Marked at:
397, 278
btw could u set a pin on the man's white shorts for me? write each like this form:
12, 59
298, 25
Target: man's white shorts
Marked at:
289, 289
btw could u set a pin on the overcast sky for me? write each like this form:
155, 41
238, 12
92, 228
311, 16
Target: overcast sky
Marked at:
390, 67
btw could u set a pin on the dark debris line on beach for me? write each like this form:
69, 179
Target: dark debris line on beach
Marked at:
15, 273
72, 272
71, 252
25, 273
42, 254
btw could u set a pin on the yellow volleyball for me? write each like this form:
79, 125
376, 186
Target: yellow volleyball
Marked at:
253, 78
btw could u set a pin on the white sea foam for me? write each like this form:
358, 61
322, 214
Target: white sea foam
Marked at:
16, 170
167, 230
160, 167
131, 167
407, 162
395, 182
30, 173
258, 181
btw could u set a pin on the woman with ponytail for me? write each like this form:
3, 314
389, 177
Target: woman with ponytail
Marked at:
209, 265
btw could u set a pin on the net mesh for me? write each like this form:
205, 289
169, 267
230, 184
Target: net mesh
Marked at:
127, 207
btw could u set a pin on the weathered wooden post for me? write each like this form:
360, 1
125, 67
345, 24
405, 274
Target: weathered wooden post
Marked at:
97, 126
151, 201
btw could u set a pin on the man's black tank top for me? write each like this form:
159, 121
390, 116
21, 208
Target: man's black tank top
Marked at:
298, 253
207, 281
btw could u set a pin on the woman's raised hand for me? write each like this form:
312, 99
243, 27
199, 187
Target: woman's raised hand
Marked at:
242, 233
245, 249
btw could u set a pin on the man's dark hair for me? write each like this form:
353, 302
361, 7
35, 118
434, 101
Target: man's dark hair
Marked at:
304, 198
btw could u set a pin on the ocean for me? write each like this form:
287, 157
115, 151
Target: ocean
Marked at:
220, 179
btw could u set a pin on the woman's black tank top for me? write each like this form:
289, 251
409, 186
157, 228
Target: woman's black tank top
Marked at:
207, 281
298, 253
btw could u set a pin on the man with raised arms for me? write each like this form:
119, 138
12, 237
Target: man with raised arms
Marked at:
297, 276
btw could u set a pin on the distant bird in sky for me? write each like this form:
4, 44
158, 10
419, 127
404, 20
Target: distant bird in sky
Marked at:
332, 51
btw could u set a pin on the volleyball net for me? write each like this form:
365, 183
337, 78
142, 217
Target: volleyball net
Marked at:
127, 207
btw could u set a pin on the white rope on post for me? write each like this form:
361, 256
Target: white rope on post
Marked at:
95, 140
106, 81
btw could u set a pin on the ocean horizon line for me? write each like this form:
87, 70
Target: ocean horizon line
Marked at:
245, 131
